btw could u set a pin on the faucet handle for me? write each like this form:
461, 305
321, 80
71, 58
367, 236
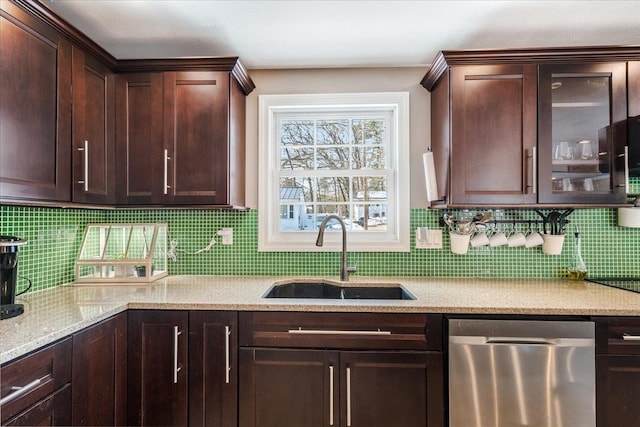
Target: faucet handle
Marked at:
352, 269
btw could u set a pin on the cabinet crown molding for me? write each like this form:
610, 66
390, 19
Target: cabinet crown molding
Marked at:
447, 58
231, 64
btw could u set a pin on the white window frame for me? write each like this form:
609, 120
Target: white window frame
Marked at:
397, 237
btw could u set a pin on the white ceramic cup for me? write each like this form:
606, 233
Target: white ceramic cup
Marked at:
480, 239
533, 239
459, 243
516, 240
498, 239
552, 244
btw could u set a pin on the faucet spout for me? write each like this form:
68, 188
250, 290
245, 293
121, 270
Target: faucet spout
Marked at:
344, 269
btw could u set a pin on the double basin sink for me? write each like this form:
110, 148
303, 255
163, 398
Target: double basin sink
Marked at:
323, 289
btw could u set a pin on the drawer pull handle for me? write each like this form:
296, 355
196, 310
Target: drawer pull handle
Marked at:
628, 337
301, 331
20, 391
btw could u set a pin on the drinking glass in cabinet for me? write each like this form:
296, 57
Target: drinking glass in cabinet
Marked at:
580, 133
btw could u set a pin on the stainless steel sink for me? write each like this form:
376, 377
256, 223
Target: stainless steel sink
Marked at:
328, 290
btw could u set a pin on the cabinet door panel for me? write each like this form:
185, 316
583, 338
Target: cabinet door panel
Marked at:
582, 133
288, 388
212, 390
157, 368
618, 390
100, 374
93, 130
391, 389
196, 108
35, 109
139, 165
493, 131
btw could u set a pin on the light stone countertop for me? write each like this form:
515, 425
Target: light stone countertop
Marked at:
57, 312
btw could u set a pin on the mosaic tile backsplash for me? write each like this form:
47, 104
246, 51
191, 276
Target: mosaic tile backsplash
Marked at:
54, 237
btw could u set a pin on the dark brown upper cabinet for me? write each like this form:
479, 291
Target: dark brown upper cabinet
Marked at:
493, 134
35, 108
79, 126
93, 130
582, 112
139, 138
530, 127
181, 137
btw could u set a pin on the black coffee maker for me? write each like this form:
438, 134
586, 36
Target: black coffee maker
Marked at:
9, 276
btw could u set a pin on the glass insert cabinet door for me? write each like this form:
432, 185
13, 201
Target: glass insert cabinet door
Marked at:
581, 133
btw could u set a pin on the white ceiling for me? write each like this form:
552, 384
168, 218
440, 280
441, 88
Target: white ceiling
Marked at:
346, 33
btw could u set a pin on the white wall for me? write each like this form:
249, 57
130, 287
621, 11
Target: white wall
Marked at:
347, 80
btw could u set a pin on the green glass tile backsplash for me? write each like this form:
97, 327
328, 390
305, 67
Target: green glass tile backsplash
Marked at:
54, 237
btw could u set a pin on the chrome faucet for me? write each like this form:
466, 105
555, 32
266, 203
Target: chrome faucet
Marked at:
344, 270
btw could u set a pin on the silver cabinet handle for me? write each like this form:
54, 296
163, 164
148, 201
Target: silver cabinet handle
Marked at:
331, 373
227, 364
85, 181
534, 170
628, 337
626, 168
166, 175
348, 397
176, 368
301, 331
20, 391
625, 154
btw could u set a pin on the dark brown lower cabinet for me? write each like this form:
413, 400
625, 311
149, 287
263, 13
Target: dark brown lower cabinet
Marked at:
36, 389
317, 388
157, 368
383, 389
182, 368
213, 377
52, 411
617, 371
281, 387
618, 391
100, 374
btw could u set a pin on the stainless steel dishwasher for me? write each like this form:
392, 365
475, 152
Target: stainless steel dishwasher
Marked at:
507, 373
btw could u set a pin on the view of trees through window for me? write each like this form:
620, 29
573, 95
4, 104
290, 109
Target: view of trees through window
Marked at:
333, 166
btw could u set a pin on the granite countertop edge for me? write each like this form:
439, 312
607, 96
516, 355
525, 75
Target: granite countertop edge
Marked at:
55, 313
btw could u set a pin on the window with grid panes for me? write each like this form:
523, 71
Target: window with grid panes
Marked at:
344, 154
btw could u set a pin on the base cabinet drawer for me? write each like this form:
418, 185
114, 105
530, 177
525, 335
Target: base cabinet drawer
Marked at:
51, 411
29, 381
375, 331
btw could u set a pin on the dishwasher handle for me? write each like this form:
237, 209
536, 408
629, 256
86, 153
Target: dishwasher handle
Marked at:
520, 341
